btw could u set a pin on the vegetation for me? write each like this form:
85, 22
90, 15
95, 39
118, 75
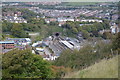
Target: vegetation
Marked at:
14, 29
107, 35
85, 57
70, 29
103, 69
28, 15
116, 42
24, 64
60, 71
118, 8
91, 30
89, 55
18, 31
35, 25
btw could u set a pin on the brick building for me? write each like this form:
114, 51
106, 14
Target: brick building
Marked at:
7, 44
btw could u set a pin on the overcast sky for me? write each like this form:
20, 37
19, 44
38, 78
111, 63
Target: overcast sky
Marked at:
60, 0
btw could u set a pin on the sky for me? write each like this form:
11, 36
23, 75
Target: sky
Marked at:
60, 0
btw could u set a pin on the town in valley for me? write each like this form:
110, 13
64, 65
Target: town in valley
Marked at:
70, 36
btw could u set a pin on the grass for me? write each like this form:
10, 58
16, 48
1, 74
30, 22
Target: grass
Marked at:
103, 69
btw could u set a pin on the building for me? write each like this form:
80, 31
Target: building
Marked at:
36, 44
14, 19
48, 20
115, 29
91, 20
65, 19
20, 41
61, 23
40, 49
84, 24
67, 44
7, 44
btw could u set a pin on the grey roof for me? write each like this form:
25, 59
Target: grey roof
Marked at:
1, 42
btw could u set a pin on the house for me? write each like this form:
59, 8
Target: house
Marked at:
48, 20
65, 19
40, 49
15, 19
7, 44
61, 23
77, 19
84, 24
53, 57
35, 44
91, 20
115, 17
50, 58
115, 29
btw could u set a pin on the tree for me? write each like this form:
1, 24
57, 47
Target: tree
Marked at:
18, 31
86, 56
85, 34
6, 26
24, 64
27, 14
53, 23
66, 26
107, 35
116, 42
74, 30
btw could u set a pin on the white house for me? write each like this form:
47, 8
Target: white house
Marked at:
91, 20
115, 29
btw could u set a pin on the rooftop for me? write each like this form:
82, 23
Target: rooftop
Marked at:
67, 44
6, 42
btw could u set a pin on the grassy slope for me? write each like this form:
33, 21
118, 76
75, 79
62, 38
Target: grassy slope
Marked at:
103, 69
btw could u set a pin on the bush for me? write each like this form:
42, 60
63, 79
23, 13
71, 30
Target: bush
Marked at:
85, 57
24, 64
116, 42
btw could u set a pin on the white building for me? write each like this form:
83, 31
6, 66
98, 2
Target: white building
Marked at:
115, 29
15, 19
21, 41
40, 49
65, 19
50, 58
91, 20
37, 43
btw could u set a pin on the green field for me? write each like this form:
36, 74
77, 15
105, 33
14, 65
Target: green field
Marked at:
103, 69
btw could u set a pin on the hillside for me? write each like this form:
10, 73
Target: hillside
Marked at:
103, 69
